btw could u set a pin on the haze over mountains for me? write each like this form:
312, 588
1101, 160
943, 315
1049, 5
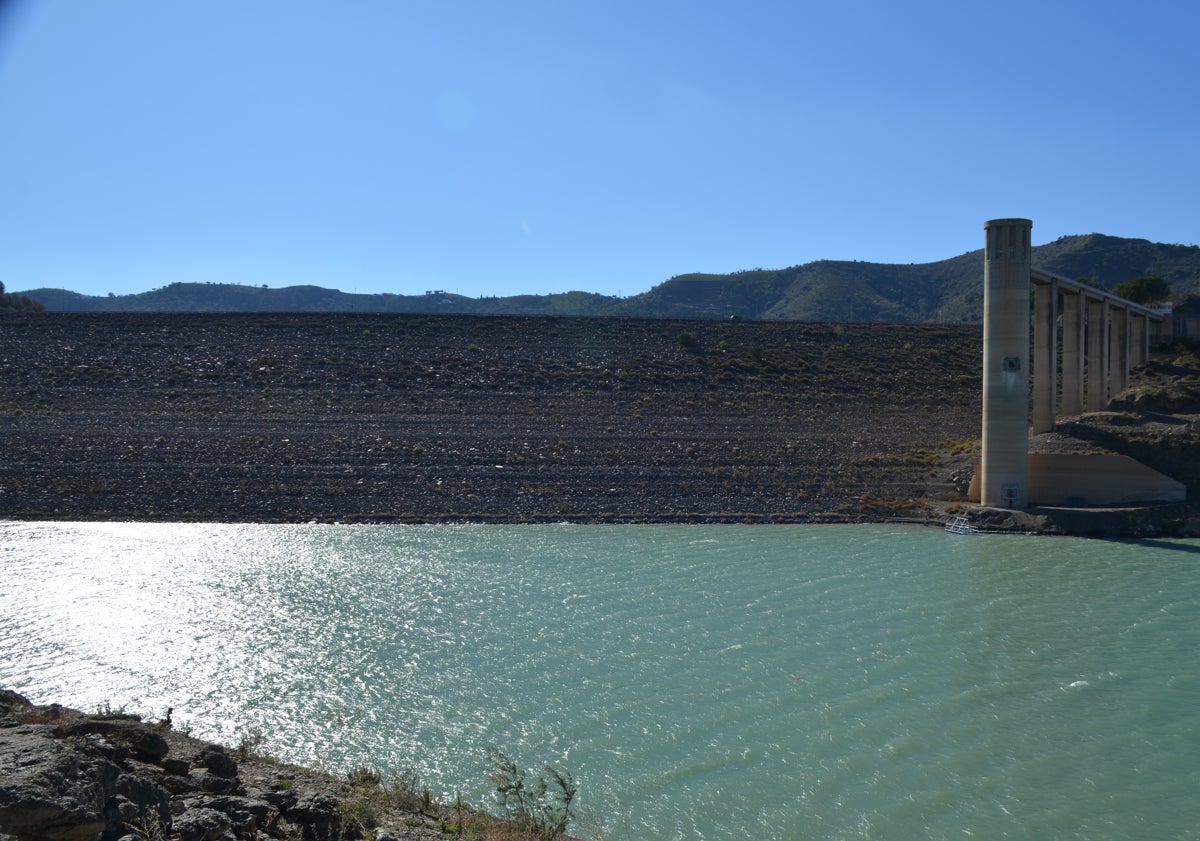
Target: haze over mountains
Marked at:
947, 291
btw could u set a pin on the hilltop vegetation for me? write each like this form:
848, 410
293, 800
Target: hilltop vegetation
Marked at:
948, 291
17, 303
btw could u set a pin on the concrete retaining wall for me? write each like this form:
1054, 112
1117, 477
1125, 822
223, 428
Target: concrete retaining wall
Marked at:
1076, 479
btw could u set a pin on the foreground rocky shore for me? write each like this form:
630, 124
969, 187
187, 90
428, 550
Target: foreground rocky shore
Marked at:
353, 418
69, 776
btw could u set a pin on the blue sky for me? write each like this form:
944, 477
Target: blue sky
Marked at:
533, 147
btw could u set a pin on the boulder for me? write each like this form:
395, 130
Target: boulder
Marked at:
203, 824
246, 815
318, 814
202, 780
141, 739
51, 790
218, 762
147, 797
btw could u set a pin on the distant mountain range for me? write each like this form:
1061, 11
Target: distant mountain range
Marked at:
827, 290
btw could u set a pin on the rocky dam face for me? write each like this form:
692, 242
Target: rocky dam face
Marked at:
415, 418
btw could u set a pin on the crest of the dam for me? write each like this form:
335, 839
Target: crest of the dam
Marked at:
1084, 343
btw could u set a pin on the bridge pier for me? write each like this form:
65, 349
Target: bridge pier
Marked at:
1139, 339
1045, 353
1072, 354
1097, 357
1118, 354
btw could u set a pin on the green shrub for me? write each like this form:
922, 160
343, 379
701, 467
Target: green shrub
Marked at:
1143, 290
364, 777
361, 815
250, 743
536, 805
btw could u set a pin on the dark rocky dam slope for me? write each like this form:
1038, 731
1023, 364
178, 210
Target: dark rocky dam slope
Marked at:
417, 418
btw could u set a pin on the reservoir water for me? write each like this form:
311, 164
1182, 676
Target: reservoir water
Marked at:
724, 682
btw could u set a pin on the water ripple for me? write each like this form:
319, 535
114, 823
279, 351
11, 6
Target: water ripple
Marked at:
702, 682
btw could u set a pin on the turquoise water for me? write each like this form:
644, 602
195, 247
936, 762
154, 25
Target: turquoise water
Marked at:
781, 682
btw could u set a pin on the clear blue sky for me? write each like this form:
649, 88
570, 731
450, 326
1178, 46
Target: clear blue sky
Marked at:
604, 145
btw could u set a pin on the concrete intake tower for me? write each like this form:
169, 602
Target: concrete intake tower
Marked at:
1004, 473
1101, 337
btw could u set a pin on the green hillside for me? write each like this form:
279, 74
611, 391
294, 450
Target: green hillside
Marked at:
948, 291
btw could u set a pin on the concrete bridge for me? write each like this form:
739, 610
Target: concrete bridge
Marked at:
1102, 336
1094, 338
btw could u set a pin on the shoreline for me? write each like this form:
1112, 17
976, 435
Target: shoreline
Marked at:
421, 419
69, 775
